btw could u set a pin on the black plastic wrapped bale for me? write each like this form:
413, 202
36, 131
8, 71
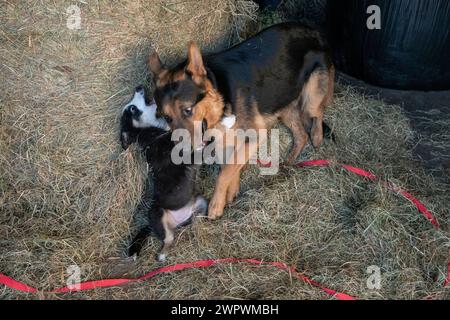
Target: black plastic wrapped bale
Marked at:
411, 51
268, 4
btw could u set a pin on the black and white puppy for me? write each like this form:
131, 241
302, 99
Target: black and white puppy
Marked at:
175, 198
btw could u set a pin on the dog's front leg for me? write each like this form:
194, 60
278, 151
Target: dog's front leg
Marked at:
227, 184
227, 174
233, 189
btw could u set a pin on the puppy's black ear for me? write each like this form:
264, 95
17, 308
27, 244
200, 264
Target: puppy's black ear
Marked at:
127, 138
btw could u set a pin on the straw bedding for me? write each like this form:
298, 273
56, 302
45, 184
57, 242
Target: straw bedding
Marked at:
69, 195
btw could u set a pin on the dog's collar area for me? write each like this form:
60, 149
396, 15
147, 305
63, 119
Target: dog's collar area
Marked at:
212, 77
228, 121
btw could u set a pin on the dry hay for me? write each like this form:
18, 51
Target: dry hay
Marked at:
68, 193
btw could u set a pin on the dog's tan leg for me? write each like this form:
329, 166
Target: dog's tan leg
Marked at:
169, 228
233, 189
218, 201
292, 119
328, 101
229, 174
315, 95
317, 131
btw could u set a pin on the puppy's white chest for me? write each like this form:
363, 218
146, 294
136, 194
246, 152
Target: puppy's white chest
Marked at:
182, 215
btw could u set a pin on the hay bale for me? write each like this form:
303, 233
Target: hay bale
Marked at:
68, 193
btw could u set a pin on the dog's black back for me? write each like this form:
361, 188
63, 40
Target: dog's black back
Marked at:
269, 68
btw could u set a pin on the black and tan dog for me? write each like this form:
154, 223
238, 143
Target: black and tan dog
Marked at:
283, 73
175, 197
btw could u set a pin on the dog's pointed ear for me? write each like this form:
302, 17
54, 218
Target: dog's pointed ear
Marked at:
195, 64
154, 63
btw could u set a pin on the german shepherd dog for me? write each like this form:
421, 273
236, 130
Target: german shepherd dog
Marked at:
175, 197
285, 73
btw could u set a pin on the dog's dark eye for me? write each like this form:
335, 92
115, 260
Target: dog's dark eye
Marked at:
133, 108
187, 112
168, 119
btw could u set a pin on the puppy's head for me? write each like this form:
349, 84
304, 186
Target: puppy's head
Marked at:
137, 115
185, 96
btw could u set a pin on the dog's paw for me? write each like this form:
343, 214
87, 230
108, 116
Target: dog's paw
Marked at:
215, 210
232, 194
290, 161
161, 257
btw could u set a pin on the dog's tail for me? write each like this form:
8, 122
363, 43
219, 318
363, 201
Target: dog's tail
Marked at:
138, 241
328, 133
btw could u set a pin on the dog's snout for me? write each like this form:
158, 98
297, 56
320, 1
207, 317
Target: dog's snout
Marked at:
140, 89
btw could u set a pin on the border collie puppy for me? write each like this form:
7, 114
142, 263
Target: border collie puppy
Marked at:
175, 198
